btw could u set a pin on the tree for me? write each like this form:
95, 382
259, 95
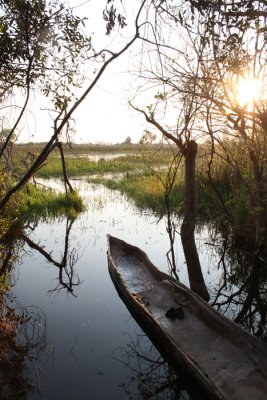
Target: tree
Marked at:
198, 53
5, 133
174, 113
128, 140
42, 46
35, 54
231, 83
188, 148
219, 47
7, 138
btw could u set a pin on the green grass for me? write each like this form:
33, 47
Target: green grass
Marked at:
83, 166
46, 203
78, 162
146, 191
139, 184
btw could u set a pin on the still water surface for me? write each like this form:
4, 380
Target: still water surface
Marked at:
92, 348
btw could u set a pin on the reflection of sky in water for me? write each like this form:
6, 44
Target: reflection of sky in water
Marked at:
105, 156
84, 331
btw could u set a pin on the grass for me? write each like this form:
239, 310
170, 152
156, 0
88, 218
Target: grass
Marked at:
33, 202
138, 183
146, 190
128, 158
83, 166
46, 203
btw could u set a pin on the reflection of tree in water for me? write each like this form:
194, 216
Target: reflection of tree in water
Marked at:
22, 339
242, 290
150, 376
23, 330
67, 276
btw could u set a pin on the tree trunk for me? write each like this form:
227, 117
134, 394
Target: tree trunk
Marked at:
196, 279
64, 169
260, 200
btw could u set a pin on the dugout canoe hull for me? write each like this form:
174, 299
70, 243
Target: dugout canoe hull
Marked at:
223, 360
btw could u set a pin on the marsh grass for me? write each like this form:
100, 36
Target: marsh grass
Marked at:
146, 190
42, 202
141, 185
35, 202
84, 166
123, 158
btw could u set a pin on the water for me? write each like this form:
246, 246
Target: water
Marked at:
90, 346
89, 331
105, 156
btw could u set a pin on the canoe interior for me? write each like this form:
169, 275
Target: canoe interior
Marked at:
231, 363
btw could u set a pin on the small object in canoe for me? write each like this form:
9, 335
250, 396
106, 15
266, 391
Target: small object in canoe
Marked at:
175, 313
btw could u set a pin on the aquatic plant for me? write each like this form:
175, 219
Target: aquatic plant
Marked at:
43, 202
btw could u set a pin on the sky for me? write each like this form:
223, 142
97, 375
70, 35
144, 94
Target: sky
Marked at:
105, 116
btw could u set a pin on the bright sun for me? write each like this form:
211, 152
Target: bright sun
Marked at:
248, 90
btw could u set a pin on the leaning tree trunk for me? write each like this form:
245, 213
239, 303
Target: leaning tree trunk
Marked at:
196, 279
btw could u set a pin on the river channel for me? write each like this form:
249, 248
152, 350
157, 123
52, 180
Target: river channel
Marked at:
87, 344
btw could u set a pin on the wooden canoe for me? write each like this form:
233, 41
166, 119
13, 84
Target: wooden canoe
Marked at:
220, 357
